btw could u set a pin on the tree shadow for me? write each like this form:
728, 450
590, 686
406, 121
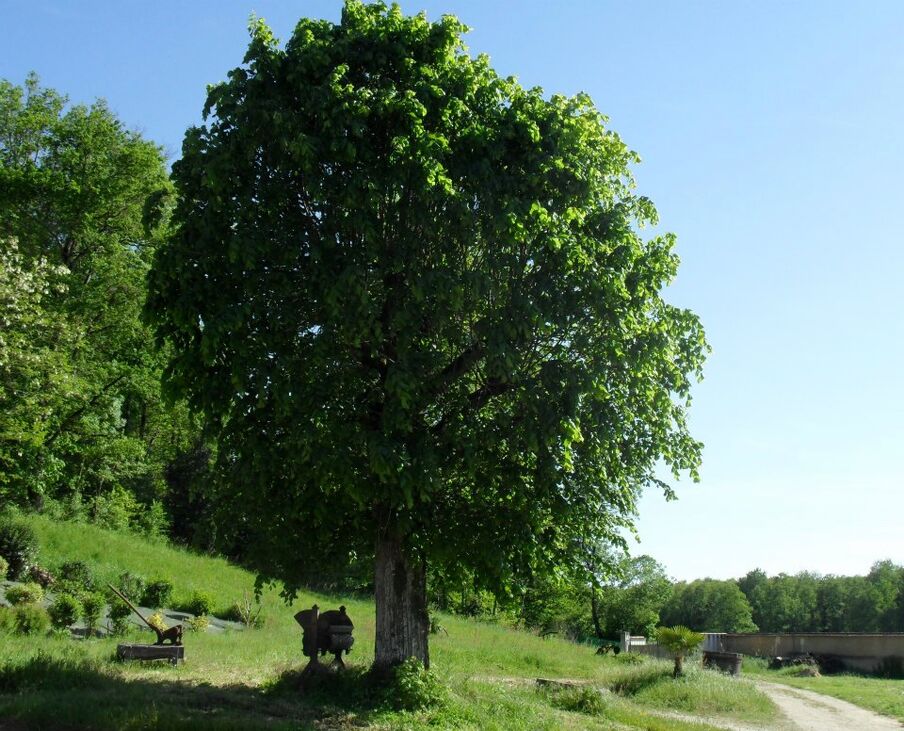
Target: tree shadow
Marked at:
74, 692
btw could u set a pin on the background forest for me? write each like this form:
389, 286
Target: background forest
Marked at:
86, 433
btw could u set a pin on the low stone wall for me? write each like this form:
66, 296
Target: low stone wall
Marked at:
868, 653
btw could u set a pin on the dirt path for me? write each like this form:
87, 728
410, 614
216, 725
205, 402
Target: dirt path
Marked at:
809, 711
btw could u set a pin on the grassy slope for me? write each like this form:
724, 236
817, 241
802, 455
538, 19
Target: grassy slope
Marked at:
885, 696
243, 680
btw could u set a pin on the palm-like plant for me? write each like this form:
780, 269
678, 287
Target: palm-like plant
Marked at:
680, 641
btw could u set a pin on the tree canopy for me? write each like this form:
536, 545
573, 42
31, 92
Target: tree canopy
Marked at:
80, 200
415, 300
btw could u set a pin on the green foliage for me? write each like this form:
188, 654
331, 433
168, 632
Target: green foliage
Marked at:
807, 602
4, 568
404, 289
247, 611
198, 624
200, 603
93, 604
31, 619
157, 594
76, 577
29, 593
679, 641
708, 605
633, 599
83, 203
7, 619
115, 509
64, 610
584, 699
413, 688
18, 546
132, 585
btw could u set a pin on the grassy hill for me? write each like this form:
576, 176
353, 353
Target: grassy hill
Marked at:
247, 679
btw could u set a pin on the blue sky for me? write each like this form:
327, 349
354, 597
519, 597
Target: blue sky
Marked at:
771, 141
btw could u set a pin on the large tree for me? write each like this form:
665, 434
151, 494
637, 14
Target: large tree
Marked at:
415, 300
80, 199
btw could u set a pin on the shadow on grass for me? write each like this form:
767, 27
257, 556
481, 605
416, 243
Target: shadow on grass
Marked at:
74, 692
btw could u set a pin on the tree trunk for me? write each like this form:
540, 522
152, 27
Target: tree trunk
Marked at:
400, 591
595, 612
679, 666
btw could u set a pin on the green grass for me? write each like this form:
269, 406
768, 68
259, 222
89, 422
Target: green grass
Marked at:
881, 695
246, 680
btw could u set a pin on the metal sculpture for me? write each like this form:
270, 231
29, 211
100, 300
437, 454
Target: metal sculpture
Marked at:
327, 632
173, 634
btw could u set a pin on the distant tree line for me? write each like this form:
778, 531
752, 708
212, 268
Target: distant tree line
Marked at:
639, 596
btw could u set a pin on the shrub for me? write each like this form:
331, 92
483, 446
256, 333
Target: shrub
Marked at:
114, 510
158, 593
581, 700
93, 604
31, 619
64, 611
18, 546
29, 593
246, 610
119, 615
198, 624
4, 568
414, 688
152, 520
132, 585
41, 576
200, 604
76, 577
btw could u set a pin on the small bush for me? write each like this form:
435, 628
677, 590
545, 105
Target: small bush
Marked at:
4, 568
132, 585
158, 594
200, 604
247, 611
30, 619
18, 546
76, 577
29, 593
152, 520
64, 611
114, 510
93, 604
198, 624
119, 615
41, 576
414, 688
587, 700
